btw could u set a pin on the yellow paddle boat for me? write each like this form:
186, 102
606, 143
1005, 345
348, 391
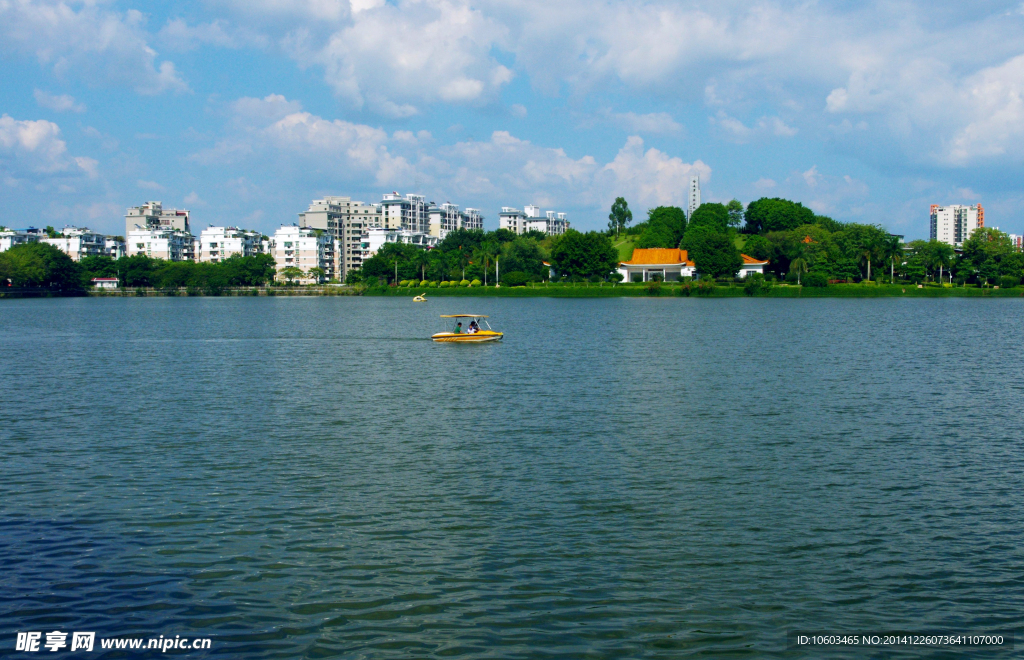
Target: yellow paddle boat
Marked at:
421, 298
471, 333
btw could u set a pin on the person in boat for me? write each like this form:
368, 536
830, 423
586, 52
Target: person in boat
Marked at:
473, 327
458, 328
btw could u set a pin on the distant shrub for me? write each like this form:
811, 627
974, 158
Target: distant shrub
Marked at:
432, 284
596, 278
1008, 281
464, 283
686, 289
475, 282
404, 283
424, 283
756, 285
515, 278
444, 284
816, 279
704, 287
653, 288
791, 277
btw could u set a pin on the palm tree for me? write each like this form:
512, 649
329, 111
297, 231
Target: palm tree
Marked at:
485, 255
421, 259
800, 266
891, 249
867, 247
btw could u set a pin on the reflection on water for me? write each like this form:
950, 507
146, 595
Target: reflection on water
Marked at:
311, 477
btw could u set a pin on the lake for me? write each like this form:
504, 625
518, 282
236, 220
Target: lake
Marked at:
619, 478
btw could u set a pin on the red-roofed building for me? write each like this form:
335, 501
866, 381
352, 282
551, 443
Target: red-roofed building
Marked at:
646, 263
672, 264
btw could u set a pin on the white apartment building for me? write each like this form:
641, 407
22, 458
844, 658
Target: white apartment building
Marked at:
954, 224
345, 220
1018, 242
78, 243
216, 244
694, 198
530, 219
167, 244
409, 212
447, 217
303, 248
9, 238
152, 215
377, 237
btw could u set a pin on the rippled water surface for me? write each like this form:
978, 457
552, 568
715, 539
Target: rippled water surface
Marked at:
622, 478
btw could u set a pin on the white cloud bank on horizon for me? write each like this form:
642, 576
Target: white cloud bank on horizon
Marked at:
277, 131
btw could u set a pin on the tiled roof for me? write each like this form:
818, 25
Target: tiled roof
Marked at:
658, 256
751, 260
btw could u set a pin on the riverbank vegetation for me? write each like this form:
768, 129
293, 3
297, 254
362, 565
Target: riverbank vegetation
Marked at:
40, 265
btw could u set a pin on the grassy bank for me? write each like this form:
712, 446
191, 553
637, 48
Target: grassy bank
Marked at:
588, 290
579, 290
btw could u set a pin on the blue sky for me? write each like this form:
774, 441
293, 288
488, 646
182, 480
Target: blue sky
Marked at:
244, 110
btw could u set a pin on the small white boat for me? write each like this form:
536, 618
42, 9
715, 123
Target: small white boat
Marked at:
421, 298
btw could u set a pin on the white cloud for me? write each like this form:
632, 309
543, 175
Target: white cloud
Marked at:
58, 103
736, 131
33, 148
811, 176
518, 110
764, 183
193, 199
94, 43
179, 35
650, 123
652, 177
277, 125
150, 185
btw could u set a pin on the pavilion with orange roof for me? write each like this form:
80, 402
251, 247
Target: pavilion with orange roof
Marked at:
671, 264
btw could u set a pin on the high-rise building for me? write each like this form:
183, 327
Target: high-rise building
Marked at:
152, 215
346, 221
530, 219
161, 243
9, 238
409, 212
305, 249
78, 243
954, 224
216, 244
1018, 242
694, 198
447, 217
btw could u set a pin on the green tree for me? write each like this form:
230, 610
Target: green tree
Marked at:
735, 210
664, 228
40, 265
712, 215
986, 243
620, 215
774, 214
524, 255
713, 252
291, 273
317, 274
574, 254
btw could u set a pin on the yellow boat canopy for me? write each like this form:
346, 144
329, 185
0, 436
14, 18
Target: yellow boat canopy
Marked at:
463, 316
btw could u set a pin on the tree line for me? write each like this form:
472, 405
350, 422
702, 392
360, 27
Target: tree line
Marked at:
797, 243
43, 265
473, 254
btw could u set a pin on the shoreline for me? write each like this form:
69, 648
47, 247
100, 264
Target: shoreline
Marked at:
580, 290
